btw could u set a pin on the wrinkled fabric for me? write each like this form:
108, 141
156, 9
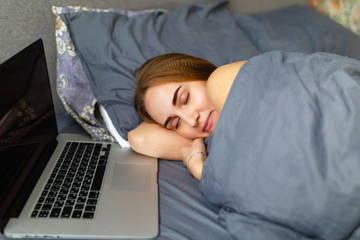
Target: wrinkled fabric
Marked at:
285, 153
112, 46
298, 29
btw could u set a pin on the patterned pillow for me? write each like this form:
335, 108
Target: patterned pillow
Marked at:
345, 12
73, 86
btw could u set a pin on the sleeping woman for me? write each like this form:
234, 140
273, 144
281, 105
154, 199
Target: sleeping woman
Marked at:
180, 98
289, 133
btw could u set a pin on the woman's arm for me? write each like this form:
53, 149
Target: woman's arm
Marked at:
220, 81
194, 156
156, 141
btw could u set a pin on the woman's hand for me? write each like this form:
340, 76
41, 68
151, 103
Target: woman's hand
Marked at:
193, 156
156, 141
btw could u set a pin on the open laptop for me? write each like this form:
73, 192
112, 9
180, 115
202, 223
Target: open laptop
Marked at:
65, 185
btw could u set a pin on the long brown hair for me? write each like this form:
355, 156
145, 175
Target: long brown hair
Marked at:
170, 67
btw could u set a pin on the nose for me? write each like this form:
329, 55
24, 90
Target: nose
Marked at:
189, 116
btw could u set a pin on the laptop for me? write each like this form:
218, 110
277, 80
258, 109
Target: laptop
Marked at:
65, 185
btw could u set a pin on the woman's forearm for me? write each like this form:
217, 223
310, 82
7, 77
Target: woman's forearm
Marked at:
156, 141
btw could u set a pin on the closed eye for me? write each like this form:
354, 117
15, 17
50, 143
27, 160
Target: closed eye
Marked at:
185, 98
174, 122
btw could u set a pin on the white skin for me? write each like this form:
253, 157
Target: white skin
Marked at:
183, 107
190, 110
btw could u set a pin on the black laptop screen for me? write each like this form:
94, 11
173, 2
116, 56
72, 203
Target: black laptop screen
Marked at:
25, 96
27, 125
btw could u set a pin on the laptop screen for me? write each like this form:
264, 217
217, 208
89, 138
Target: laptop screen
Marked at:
27, 121
25, 95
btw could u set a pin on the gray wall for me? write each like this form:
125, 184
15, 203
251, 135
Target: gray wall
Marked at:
24, 21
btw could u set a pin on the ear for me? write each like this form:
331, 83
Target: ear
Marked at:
220, 81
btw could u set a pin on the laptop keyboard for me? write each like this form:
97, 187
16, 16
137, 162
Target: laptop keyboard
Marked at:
73, 188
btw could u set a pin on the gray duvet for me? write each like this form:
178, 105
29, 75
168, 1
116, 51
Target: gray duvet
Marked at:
284, 161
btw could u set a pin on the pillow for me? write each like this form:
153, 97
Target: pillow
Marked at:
112, 45
299, 29
72, 80
345, 12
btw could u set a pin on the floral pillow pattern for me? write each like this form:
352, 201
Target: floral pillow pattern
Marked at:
73, 87
345, 12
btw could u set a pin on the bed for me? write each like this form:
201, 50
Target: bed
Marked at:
110, 45
97, 52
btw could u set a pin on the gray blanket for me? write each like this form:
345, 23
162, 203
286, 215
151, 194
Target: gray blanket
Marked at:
284, 161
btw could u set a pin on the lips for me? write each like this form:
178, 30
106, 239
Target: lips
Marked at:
208, 123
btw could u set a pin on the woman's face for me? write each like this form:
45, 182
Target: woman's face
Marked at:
183, 107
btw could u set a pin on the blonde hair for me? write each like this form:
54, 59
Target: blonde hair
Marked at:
170, 67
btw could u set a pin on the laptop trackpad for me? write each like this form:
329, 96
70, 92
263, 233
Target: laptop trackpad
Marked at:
131, 177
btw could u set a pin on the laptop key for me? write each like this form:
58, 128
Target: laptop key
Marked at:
34, 213
85, 188
55, 212
91, 201
61, 197
90, 208
44, 214
52, 194
94, 194
38, 206
88, 215
59, 204
70, 202
50, 200
99, 175
74, 189
79, 206
66, 212
76, 214
83, 193
46, 207
81, 199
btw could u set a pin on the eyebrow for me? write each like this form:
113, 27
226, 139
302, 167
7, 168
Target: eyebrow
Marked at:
175, 95
174, 103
